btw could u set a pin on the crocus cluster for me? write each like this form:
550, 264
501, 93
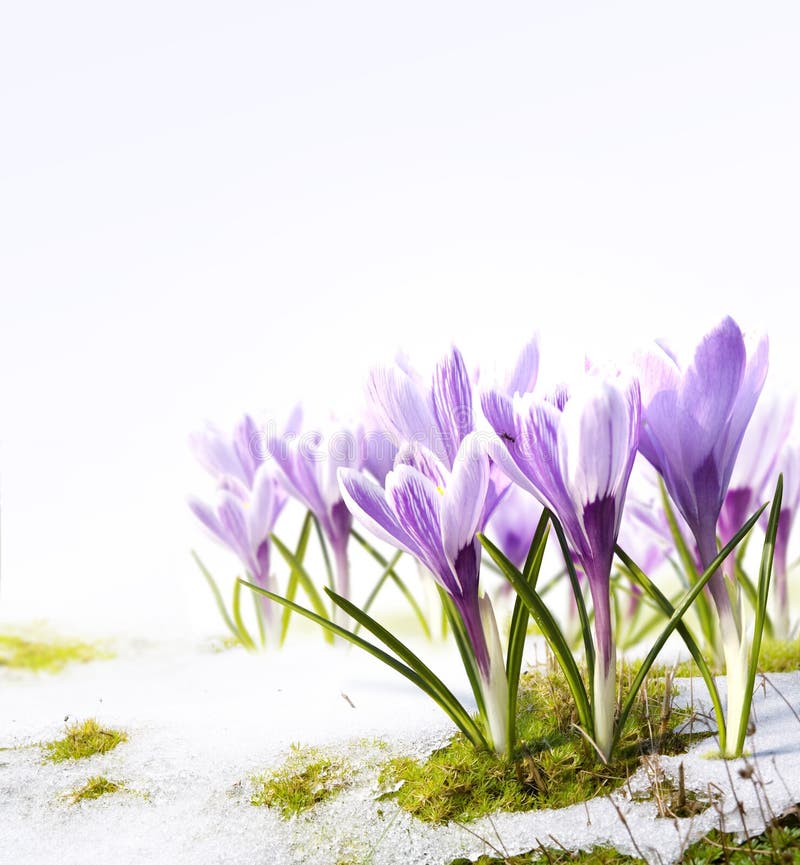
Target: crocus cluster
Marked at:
440, 467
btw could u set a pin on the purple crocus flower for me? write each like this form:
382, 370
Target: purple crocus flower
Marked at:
433, 513
695, 417
308, 465
242, 520
575, 452
763, 440
238, 455
440, 415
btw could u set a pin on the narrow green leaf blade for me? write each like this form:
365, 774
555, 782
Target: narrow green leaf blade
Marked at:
385, 657
212, 584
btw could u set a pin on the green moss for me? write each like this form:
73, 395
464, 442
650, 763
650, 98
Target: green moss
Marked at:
779, 656
554, 765
545, 856
83, 740
94, 788
51, 655
305, 779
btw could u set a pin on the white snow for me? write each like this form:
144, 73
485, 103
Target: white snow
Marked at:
202, 723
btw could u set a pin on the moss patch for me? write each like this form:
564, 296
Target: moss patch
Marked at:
94, 788
779, 656
554, 765
48, 655
305, 779
599, 855
83, 740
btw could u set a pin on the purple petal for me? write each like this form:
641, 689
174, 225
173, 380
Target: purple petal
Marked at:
209, 519
416, 502
464, 498
752, 383
367, 502
400, 408
709, 392
424, 461
234, 523
452, 401
598, 437
523, 378
214, 452
261, 514
247, 443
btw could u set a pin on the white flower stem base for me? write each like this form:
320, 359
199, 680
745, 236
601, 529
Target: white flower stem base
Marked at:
605, 703
735, 649
494, 688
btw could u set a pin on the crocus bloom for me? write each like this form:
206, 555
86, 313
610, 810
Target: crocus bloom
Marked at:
433, 514
238, 455
308, 466
789, 466
242, 520
694, 421
439, 416
755, 465
575, 452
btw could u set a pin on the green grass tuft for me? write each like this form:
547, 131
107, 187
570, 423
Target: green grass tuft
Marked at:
305, 779
51, 656
554, 766
83, 740
94, 788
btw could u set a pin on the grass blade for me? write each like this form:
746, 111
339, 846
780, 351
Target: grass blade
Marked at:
550, 630
223, 611
444, 695
519, 624
702, 608
383, 562
379, 585
305, 581
325, 555
586, 630
675, 620
237, 617
764, 579
291, 586
455, 712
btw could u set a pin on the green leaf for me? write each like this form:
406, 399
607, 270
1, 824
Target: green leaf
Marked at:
262, 634
218, 598
383, 561
444, 695
247, 640
550, 630
639, 576
305, 581
431, 685
675, 620
464, 646
702, 608
586, 630
764, 579
324, 547
294, 580
379, 585
519, 623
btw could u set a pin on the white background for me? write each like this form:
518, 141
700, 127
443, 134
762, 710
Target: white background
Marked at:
210, 208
